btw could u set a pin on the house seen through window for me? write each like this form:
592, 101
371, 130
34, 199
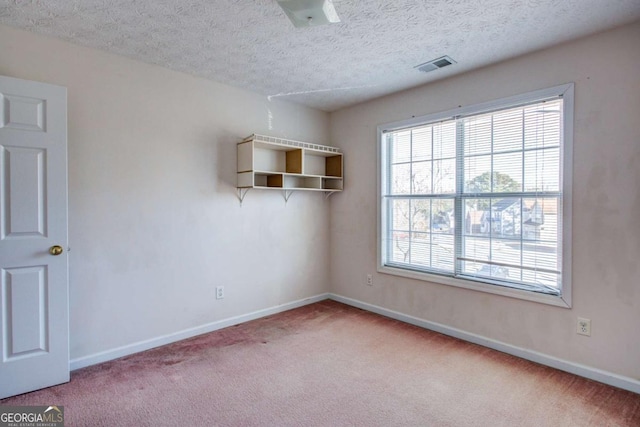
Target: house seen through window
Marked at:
479, 194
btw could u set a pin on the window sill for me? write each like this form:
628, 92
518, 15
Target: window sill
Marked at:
558, 301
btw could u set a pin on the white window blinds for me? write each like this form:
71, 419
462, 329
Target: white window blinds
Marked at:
478, 196
510, 178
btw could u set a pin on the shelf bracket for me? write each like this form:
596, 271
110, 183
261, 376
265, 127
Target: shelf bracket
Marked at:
241, 193
328, 194
287, 195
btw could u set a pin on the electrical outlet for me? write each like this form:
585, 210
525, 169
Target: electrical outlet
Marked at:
584, 326
219, 292
369, 280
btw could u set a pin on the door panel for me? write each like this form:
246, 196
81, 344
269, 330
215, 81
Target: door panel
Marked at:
34, 326
24, 193
25, 293
20, 112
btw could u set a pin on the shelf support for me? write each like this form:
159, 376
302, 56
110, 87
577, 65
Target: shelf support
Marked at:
287, 195
241, 193
328, 194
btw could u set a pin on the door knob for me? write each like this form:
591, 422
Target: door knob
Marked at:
55, 250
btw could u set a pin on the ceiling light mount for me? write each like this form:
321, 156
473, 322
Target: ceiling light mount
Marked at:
307, 13
435, 64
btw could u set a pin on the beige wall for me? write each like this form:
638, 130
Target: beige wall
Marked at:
154, 221
606, 206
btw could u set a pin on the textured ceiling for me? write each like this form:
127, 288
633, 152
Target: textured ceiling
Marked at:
251, 44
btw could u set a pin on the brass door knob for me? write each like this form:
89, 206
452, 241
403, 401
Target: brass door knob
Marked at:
55, 250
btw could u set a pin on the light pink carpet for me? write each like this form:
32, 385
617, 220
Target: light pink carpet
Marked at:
328, 364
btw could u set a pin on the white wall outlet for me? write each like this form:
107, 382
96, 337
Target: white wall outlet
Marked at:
584, 326
369, 280
219, 292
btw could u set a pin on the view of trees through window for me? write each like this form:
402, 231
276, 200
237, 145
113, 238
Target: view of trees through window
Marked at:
479, 196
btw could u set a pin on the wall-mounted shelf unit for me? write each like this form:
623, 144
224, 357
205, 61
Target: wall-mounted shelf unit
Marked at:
269, 163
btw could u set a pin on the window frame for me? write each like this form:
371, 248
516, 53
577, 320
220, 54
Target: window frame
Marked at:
566, 91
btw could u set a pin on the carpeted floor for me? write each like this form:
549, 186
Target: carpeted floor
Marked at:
328, 364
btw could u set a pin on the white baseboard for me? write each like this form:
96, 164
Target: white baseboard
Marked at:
605, 377
105, 356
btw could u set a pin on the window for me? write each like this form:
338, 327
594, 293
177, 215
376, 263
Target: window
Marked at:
479, 197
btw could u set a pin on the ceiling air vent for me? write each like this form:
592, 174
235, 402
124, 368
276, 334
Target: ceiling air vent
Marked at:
435, 64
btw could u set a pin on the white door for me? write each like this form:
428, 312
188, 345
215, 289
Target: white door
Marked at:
34, 291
